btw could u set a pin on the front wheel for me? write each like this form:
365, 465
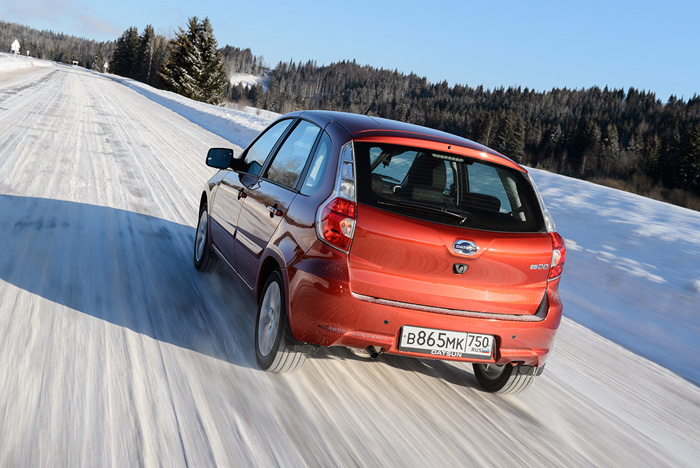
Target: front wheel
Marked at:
273, 344
505, 378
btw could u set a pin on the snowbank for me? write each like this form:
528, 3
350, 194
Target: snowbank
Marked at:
12, 62
632, 270
239, 126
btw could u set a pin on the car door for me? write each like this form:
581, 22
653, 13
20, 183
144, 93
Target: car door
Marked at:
233, 189
267, 203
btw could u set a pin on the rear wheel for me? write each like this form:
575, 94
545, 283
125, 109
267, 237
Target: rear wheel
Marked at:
203, 259
505, 378
274, 346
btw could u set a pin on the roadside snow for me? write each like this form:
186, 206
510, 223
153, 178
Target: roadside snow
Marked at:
12, 62
239, 126
632, 269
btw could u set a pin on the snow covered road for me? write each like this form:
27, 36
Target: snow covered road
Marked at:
115, 351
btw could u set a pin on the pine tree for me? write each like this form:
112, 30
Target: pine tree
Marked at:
145, 53
214, 78
515, 148
195, 68
125, 57
650, 157
610, 150
689, 164
586, 148
181, 64
98, 62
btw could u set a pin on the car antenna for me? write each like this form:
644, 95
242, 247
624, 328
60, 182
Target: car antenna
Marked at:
376, 96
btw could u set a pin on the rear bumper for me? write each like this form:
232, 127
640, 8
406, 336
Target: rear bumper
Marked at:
324, 311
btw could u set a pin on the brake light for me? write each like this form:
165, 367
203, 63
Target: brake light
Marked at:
558, 255
338, 223
335, 220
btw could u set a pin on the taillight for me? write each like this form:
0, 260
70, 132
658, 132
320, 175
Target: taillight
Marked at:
338, 223
558, 255
335, 220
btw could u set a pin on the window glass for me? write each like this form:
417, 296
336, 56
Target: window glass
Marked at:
485, 180
256, 154
394, 168
292, 155
317, 169
446, 188
418, 171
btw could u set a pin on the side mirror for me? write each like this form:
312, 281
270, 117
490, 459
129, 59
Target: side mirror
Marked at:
219, 158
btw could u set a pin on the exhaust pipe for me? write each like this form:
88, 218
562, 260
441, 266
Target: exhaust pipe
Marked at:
373, 351
370, 352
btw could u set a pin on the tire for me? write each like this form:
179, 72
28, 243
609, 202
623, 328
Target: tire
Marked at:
505, 378
204, 261
274, 347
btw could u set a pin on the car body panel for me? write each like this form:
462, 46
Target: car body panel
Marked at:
265, 206
326, 312
224, 213
408, 260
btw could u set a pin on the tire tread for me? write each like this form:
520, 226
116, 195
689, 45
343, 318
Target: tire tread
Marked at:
286, 359
513, 380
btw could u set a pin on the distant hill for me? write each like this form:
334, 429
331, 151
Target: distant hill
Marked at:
59, 47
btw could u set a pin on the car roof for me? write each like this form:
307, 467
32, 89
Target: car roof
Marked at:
366, 126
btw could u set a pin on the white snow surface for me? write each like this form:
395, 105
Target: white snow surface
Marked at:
632, 269
14, 62
115, 351
249, 80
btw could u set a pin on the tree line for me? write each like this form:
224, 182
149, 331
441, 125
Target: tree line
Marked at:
626, 139
49, 45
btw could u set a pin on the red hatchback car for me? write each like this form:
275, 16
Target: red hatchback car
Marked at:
385, 237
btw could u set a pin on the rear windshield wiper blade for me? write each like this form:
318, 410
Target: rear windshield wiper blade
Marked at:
420, 206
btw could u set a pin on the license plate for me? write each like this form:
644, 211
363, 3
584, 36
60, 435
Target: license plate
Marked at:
446, 343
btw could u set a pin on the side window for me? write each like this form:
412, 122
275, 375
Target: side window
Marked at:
317, 169
292, 155
256, 154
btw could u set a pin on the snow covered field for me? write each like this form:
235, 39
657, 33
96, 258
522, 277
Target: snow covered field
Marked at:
12, 62
248, 80
632, 269
115, 351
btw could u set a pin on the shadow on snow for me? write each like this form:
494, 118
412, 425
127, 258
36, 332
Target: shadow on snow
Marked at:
129, 269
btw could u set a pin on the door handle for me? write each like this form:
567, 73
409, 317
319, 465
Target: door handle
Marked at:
242, 194
274, 211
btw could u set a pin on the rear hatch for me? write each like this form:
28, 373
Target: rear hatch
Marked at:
447, 231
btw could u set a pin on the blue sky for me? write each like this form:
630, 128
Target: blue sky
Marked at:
538, 44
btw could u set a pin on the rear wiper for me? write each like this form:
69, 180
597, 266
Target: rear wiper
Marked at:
420, 206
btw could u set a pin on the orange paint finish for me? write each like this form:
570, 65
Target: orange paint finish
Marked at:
324, 311
453, 149
407, 260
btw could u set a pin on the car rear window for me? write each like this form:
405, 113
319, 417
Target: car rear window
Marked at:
446, 188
